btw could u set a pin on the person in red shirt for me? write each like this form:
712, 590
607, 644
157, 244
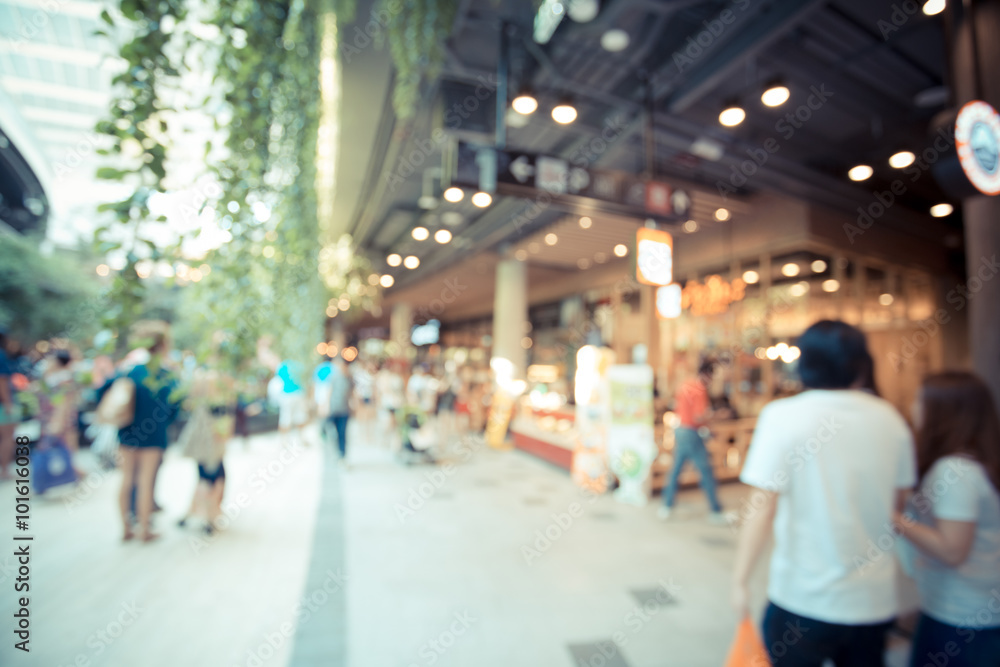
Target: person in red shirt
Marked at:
694, 409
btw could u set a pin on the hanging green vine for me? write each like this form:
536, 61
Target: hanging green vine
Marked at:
416, 32
138, 128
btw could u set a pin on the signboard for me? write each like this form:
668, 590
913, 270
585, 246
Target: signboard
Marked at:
654, 257
668, 301
590, 469
521, 174
631, 441
977, 140
713, 296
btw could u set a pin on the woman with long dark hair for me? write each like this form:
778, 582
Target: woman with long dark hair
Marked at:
957, 527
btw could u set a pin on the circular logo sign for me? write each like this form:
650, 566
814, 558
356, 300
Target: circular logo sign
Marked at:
977, 138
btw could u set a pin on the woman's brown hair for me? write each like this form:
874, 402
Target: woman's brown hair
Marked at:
958, 417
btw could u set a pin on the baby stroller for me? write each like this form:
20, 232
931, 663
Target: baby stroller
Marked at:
416, 435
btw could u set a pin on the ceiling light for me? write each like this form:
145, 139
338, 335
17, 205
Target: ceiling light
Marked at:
411, 261
941, 210
585, 222
583, 11
393, 260
621, 250
615, 40
732, 115
775, 95
420, 233
691, 226
818, 266
482, 199
525, 103
454, 195
751, 277
799, 289
521, 255
773, 353
933, 7
564, 113
861, 172
722, 214
885, 299
551, 239
791, 270
442, 236
373, 279
901, 159
386, 280
707, 149
831, 285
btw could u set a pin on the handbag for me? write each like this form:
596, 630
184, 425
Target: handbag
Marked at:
117, 407
747, 649
197, 440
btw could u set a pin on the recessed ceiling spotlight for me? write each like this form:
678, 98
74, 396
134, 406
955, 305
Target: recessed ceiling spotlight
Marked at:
934, 7
525, 103
442, 236
775, 94
722, 214
482, 199
751, 277
621, 250
551, 239
861, 172
386, 280
732, 115
454, 195
691, 226
585, 222
941, 210
411, 261
615, 40
394, 260
831, 285
818, 266
420, 233
901, 159
564, 113
791, 270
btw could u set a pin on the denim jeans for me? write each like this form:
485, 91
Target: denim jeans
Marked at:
937, 644
688, 445
340, 422
796, 641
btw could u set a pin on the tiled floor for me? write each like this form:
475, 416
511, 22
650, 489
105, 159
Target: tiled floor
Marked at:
488, 559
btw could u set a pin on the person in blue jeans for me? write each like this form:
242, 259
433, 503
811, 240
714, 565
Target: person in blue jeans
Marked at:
341, 388
694, 410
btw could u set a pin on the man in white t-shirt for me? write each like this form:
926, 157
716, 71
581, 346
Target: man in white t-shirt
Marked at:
829, 467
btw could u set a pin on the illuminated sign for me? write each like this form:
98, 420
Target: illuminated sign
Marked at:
668, 302
713, 296
426, 334
977, 138
654, 263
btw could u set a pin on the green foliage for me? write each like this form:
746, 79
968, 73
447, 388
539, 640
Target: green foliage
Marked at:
39, 294
417, 31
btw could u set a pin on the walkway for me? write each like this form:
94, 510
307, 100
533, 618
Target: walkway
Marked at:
495, 559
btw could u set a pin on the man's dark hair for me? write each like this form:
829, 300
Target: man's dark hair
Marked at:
707, 367
834, 355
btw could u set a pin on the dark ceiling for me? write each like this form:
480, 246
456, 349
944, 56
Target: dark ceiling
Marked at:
880, 90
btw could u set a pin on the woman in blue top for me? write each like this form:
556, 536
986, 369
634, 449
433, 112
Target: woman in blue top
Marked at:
957, 526
145, 439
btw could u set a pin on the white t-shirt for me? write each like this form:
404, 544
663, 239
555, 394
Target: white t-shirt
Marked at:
836, 459
957, 489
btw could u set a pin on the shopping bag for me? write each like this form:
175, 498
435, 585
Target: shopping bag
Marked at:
747, 649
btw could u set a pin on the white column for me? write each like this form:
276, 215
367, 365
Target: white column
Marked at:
510, 312
400, 324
